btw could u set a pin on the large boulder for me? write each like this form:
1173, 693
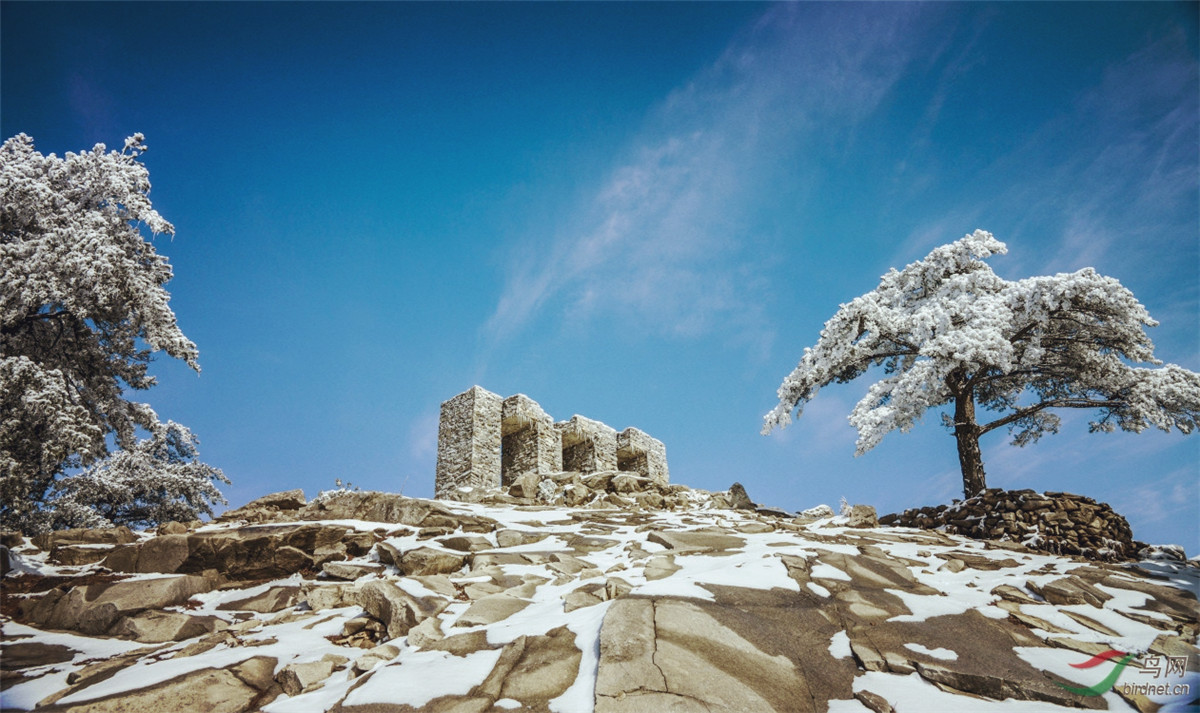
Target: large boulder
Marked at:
740, 653
94, 608
389, 507
84, 536
396, 608
427, 560
271, 551
159, 626
231, 690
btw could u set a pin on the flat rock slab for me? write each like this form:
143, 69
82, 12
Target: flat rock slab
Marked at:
426, 560
491, 609
27, 654
272, 600
204, 691
155, 627
750, 650
93, 608
696, 542
350, 571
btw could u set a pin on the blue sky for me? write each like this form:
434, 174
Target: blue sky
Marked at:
641, 213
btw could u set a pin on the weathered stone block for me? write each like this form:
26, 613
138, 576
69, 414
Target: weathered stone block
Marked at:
588, 446
469, 439
529, 441
638, 451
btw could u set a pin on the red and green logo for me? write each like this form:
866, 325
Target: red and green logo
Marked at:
1109, 681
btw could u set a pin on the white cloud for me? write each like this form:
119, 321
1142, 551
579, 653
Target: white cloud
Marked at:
423, 438
666, 243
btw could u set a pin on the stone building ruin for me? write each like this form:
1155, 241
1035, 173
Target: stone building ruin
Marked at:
485, 441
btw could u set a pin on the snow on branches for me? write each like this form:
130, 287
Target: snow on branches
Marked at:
947, 330
157, 480
83, 308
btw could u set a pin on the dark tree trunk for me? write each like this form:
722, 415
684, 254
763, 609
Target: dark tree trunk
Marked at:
966, 433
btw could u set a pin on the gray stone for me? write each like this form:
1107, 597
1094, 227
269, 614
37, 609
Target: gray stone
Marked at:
396, 608
83, 536
329, 596
76, 555
286, 500
171, 528
350, 571
627, 648
155, 627
27, 654
1070, 590
530, 442
583, 543
695, 542
738, 499
731, 655
380, 654
165, 553
491, 609
465, 543
204, 691
862, 516
469, 437
272, 600
875, 702
426, 633
660, 566
545, 669
639, 452
575, 495
426, 560
626, 484
588, 445
295, 678
93, 608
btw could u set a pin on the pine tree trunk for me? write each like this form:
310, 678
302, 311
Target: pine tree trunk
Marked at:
966, 433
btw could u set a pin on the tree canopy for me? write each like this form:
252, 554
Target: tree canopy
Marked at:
82, 310
946, 330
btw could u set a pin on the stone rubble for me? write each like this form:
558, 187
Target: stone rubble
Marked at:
1058, 523
363, 601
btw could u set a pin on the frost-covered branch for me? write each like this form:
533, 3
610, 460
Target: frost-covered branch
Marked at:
967, 337
83, 308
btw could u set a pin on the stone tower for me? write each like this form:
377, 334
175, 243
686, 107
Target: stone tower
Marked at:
469, 442
487, 442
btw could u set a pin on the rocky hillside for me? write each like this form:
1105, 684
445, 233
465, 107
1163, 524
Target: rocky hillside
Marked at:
375, 602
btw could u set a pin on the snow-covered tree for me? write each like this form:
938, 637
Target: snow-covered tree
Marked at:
157, 480
82, 309
949, 332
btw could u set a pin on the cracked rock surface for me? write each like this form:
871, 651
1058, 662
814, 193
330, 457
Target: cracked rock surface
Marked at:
372, 602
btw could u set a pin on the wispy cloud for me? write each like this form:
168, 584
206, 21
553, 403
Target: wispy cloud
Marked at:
666, 243
1111, 179
1130, 178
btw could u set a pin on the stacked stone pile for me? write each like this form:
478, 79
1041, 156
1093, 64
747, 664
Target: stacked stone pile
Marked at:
1059, 523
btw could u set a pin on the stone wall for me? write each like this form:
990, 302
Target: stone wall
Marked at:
469, 442
637, 451
588, 446
1059, 523
487, 443
530, 441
